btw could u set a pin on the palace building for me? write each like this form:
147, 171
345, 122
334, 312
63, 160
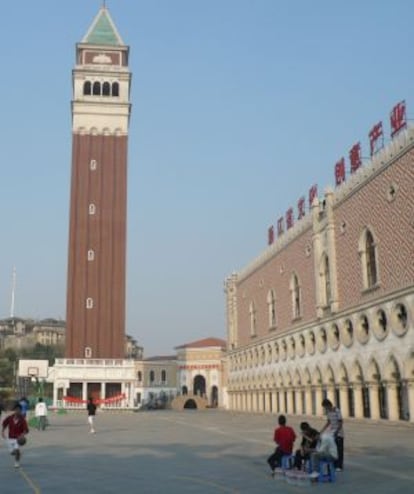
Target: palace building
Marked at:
327, 310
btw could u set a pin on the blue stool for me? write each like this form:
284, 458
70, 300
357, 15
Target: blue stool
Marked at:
326, 471
287, 462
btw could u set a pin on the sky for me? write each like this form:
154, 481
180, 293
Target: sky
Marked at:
238, 108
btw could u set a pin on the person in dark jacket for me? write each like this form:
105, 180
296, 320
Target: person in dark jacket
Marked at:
91, 407
310, 438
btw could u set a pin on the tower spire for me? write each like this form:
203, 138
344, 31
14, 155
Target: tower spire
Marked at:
13, 292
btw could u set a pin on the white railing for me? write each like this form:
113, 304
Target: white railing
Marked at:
93, 362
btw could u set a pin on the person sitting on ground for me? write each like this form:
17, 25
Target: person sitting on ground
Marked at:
284, 436
325, 450
310, 438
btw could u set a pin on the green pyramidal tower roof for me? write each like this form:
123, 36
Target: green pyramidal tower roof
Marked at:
103, 31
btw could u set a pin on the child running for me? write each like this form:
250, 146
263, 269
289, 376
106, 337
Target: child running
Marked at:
17, 430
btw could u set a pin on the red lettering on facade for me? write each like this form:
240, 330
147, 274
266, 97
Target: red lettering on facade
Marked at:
398, 119
340, 171
313, 192
355, 157
301, 208
270, 235
374, 138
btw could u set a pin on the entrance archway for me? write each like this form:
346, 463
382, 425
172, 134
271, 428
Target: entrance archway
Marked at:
199, 385
190, 404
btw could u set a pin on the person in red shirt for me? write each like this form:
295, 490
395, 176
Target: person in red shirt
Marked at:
284, 437
17, 429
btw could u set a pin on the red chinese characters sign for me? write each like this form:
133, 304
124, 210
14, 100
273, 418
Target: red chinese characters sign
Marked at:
270, 235
376, 136
355, 157
313, 192
398, 119
301, 208
340, 171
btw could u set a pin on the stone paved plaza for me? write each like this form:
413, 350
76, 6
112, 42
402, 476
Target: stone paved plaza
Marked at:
195, 452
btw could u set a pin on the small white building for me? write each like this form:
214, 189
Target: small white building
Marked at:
201, 370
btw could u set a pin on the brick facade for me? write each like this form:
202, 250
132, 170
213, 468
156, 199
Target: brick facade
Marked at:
353, 255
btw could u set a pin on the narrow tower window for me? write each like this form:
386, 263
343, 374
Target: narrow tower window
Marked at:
115, 89
89, 303
92, 165
88, 352
91, 255
92, 209
296, 299
252, 315
368, 253
371, 260
271, 304
325, 277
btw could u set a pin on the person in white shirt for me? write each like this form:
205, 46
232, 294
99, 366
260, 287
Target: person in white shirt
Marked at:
335, 425
41, 414
325, 450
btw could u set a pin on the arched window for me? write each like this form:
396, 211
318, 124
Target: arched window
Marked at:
87, 88
91, 255
371, 259
152, 376
106, 89
89, 303
271, 307
296, 296
325, 277
92, 209
96, 88
252, 316
88, 352
368, 254
163, 376
92, 165
115, 89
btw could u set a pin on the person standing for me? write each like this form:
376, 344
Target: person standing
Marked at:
284, 437
335, 426
17, 428
91, 407
41, 414
24, 404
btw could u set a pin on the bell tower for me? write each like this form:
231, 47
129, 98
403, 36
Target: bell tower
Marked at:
97, 231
